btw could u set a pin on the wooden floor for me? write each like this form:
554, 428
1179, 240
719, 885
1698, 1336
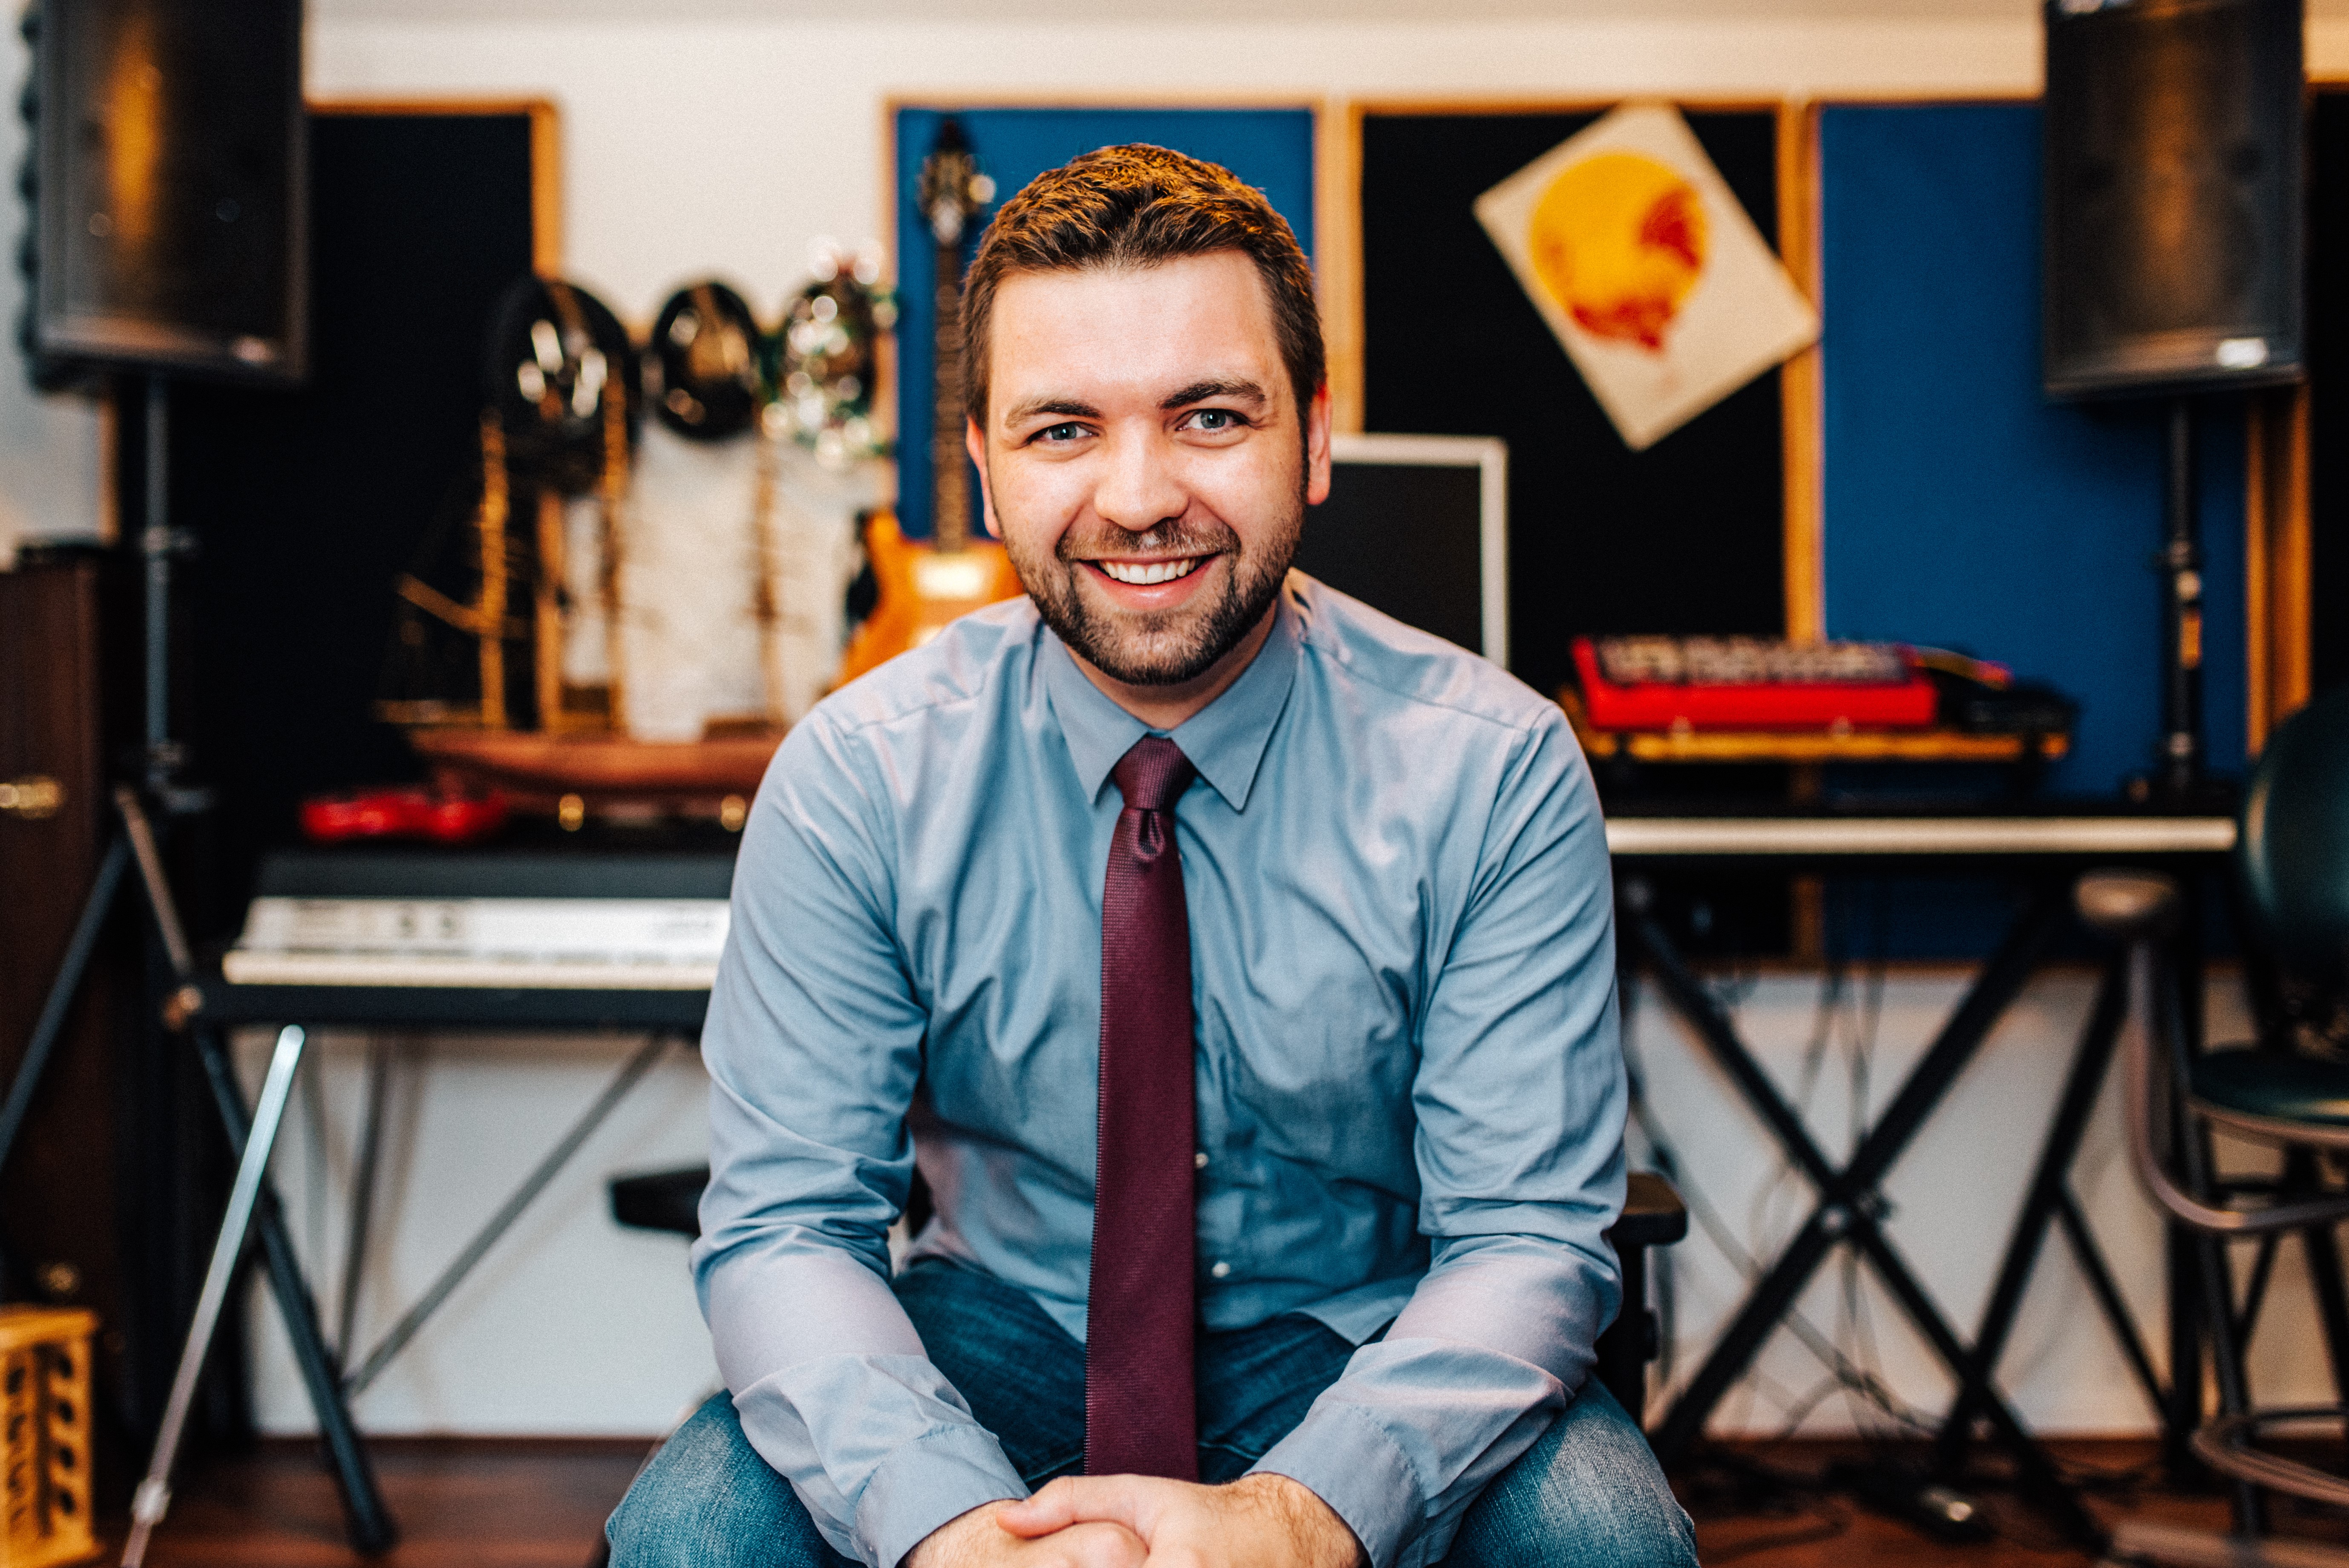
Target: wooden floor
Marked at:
540, 1504
459, 1504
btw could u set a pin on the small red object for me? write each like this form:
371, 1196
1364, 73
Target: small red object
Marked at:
1906, 701
401, 812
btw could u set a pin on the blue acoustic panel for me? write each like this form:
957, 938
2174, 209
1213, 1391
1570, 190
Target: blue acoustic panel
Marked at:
1962, 508
1271, 148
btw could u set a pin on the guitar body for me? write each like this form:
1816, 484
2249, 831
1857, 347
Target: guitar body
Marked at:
921, 588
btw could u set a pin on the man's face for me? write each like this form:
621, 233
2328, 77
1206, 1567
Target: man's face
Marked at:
1144, 460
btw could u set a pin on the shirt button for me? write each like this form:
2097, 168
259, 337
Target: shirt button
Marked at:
1199, 1160
1221, 1271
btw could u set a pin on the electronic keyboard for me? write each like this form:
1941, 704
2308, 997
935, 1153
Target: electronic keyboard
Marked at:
486, 919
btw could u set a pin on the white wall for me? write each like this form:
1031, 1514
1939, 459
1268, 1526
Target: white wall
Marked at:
573, 1325
49, 446
727, 138
728, 144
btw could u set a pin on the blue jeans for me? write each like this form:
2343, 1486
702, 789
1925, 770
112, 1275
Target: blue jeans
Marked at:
1587, 1494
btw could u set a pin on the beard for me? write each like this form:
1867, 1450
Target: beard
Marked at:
1167, 647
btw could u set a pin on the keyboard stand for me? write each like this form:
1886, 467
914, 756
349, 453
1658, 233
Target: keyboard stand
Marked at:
1851, 1209
1851, 1205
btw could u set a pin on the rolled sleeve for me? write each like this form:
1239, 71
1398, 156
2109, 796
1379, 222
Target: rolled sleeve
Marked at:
880, 1449
1345, 1457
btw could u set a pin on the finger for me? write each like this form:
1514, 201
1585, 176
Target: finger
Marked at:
1073, 1500
1101, 1546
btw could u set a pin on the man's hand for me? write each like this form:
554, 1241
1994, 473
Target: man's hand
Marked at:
1257, 1522
975, 1539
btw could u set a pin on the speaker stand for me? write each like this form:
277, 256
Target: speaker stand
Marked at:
2178, 778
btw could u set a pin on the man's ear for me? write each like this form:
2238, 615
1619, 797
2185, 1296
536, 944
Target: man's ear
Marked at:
1319, 416
975, 444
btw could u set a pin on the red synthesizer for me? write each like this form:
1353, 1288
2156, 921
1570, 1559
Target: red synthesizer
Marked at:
1751, 682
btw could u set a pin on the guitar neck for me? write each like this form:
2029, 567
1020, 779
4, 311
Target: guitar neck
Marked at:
949, 473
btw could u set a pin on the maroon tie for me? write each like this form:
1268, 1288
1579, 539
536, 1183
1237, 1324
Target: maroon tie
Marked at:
1139, 1415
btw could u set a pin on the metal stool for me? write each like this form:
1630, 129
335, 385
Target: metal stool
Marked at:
2293, 862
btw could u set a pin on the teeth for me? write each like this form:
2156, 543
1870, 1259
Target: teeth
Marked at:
1143, 573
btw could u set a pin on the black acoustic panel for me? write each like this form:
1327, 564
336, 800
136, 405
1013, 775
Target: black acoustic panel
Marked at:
2328, 371
2172, 184
306, 504
171, 188
1687, 536
1406, 538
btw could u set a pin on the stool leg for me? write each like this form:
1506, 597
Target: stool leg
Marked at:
2324, 1253
2158, 986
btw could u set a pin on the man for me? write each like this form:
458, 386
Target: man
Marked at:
1244, 960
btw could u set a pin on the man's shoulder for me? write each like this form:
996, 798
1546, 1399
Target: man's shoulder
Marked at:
1385, 660
954, 670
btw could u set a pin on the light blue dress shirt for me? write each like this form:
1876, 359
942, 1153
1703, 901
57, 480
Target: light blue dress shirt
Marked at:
1411, 1091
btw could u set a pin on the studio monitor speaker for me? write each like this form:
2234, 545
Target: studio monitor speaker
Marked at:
2172, 191
169, 186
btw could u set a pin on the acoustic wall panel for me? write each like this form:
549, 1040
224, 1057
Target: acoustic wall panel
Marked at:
1962, 508
1687, 536
309, 503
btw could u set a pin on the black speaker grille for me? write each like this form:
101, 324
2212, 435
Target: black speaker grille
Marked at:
171, 194
2172, 175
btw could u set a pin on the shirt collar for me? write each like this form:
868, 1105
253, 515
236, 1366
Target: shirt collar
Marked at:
1224, 740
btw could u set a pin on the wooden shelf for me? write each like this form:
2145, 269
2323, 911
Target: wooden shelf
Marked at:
1799, 745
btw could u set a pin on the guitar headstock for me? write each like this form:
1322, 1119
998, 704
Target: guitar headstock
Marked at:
953, 190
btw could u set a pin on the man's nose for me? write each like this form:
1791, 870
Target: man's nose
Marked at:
1140, 487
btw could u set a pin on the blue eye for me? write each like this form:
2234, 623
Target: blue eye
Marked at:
1060, 432
1215, 418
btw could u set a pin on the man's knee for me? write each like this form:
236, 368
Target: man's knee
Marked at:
708, 1500
1588, 1492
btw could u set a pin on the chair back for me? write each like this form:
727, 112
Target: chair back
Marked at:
2292, 851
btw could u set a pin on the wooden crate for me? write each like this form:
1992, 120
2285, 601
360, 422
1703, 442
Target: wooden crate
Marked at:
45, 1419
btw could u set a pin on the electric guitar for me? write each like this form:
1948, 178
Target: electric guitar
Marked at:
925, 586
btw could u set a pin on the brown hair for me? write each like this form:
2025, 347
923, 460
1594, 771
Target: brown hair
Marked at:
1136, 206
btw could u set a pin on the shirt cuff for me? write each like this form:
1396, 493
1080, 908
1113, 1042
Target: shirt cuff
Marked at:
926, 1483
1349, 1463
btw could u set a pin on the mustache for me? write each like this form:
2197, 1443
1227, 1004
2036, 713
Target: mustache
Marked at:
1209, 538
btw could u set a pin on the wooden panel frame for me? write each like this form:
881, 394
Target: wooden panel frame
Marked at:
1799, 382
2277, 561
2280, 549
1802, 380
545, 154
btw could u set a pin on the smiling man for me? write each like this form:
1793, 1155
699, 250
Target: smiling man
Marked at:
1234, 961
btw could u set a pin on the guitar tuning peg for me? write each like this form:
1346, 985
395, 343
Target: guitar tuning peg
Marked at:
982, 188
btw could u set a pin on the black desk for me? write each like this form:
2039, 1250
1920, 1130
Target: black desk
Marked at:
678, 1011
2046, 853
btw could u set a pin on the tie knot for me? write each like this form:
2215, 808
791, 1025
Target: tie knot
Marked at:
1154, 775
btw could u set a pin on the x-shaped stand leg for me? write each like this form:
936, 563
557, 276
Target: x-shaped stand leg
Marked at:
1850, 1199
2050, 1200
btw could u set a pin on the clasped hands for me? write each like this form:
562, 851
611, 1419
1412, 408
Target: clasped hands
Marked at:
1259, 1520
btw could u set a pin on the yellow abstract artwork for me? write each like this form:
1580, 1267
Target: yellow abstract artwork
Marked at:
1653, 278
